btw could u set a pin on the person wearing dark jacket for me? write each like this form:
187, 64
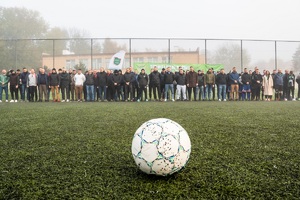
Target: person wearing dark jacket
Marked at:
54, 82
14, 85
142, 84
221, 81
256, 80
65, 81
234, 82
24, 89
169, 78
200, 88
192, 83
102, 84
89, 84
128, 79
155, 81
43, 85
298, 81
246, 80
181, 85
116, 80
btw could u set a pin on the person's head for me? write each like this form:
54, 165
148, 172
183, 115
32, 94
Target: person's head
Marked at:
53, 71
181, 71
74, 71
267, 72
25, 69
191, 68
179, 68
168, 69
18, 71
42, 71
143, 71
155, 69
291, 72
90, 72
70, 71
245, 70
59, 71
274, 71
32, 71
234, 69
128, 70
199, 72
101, 69
209, 70
256, 70
222, 71
79, 71
286, 71
116, 72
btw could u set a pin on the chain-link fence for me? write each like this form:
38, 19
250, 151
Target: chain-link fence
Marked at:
93, 53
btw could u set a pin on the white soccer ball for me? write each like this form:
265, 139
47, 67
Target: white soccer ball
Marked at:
161, 147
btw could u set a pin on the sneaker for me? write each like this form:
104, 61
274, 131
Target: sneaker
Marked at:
224, 100
63, 101
219, 99
165, 99
68, 100
16, 101
173, 100
146, 100
0, 101
138, 100
6, 101
11, 101
294, 99
285, 99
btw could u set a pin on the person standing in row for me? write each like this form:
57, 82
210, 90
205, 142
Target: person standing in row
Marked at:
192, 83
169, 78
142, 85
79, 79
32, 84
43, 85
54, 82
14, 86
221, 81
267, 85
65, 80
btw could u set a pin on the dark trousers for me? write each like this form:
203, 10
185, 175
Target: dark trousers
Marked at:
32, 93
256, 93
14, 92
65, 90
128, 90
156, 88
190, 89
141, 90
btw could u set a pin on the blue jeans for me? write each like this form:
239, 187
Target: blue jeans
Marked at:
90, 93
102, 89
167, 87
208, 91
200, 92
222, 91
24, 90
5, 88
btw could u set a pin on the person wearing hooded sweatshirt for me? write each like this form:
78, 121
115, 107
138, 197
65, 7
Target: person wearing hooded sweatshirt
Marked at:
32, 84
14, 85
102, 84
54, 82
65, 80
4, 79
142, 85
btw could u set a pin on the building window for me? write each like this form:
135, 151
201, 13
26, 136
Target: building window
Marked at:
138, 60
97, 63
70, 64
153, 59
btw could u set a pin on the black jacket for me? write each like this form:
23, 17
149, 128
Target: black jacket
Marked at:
54, 79
65, 79
142, 79
89, 79
116, 78
246, 78
102, 79
169, 77
128, 77
221, 79
180, 79
155, 78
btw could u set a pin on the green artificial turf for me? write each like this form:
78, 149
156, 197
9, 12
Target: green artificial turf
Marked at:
240, 150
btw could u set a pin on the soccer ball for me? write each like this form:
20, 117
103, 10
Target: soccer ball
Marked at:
161, 147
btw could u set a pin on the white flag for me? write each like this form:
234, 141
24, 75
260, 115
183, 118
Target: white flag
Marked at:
116, 62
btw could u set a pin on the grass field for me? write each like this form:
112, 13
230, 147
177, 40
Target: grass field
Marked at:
240, 150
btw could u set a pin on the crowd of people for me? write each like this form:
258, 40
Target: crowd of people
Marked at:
114, 85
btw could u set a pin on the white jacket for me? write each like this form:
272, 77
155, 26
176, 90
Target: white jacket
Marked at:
79, 79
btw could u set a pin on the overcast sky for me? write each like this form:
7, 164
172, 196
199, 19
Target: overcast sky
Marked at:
212, 19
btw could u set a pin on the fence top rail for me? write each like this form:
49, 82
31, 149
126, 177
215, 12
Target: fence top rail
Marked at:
205, 39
